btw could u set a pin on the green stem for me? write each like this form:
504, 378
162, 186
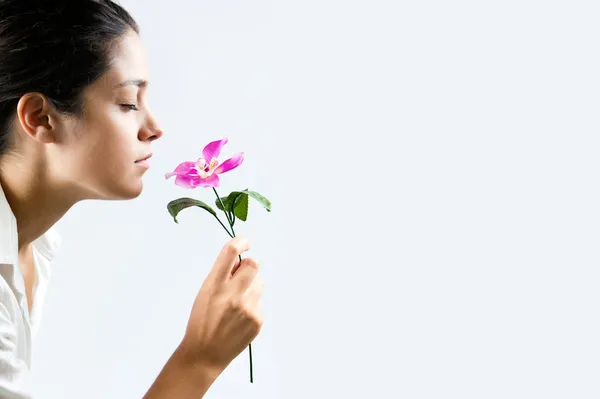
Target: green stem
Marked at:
224, 209
240, 256
230, 235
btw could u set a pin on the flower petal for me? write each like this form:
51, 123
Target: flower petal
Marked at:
211, 181
187, 181
183, 169
213, 149
231, 163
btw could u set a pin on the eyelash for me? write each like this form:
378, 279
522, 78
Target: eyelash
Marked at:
130, 107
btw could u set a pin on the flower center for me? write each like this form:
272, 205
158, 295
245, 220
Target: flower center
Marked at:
204, 169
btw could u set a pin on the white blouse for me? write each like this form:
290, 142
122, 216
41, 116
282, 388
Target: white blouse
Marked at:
17, 326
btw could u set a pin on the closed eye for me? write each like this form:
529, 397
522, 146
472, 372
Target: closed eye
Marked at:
131, 107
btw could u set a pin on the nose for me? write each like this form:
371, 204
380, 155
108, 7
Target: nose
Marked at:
151, 130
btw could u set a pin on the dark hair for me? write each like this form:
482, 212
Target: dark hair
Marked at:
57, 48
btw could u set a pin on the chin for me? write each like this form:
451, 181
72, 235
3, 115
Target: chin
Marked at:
132, 191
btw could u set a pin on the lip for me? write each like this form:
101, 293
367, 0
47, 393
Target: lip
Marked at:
144, 159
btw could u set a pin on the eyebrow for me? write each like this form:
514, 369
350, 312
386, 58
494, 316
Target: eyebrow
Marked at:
135, 82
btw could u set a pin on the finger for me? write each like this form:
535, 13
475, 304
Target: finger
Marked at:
226, 260
238, 263
236, 266
255, 290
251, 262
260, 311
245, 275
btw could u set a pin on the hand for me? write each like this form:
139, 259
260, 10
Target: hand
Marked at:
228, 312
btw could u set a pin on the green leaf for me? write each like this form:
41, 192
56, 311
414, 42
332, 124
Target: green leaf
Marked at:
236, 203
180, 204
218, 203
260, 198
240, 205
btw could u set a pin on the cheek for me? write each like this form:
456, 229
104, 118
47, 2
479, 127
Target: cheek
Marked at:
115, 139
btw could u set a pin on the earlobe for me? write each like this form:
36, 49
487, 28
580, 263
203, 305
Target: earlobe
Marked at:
35, 112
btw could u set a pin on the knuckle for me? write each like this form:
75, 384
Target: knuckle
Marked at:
251, 262
236, 303
240, 240
256, 322
253, 319
233, 248
247, 312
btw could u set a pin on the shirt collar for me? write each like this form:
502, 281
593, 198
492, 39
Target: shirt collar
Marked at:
47, 244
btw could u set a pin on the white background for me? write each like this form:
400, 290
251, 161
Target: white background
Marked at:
434, 173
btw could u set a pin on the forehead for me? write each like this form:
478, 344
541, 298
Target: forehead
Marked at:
129, 62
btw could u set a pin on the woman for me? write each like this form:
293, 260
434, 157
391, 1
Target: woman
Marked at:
75, 125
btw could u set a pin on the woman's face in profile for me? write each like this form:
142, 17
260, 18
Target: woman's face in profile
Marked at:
116, 128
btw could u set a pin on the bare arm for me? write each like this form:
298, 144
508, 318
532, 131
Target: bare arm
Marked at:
183, 377
226, 316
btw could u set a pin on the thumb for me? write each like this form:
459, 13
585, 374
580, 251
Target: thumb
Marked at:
228, 257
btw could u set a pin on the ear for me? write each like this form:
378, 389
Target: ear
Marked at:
38, 117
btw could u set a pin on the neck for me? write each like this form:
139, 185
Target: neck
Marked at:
35, 199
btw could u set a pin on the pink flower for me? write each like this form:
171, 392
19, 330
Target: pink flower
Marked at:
206, 170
